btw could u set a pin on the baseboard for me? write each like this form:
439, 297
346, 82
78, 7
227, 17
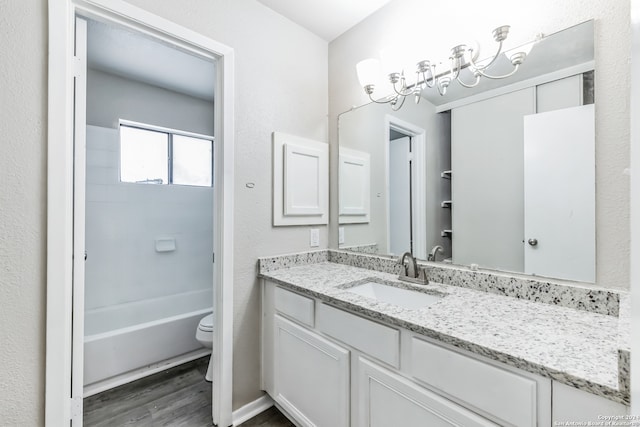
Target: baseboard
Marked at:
127, 377
251, 409
286, 414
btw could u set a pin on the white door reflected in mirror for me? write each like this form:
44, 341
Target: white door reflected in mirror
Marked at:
559, 201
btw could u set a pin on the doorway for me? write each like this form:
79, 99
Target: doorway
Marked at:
67, 197
148, 193
400, 197
406, 188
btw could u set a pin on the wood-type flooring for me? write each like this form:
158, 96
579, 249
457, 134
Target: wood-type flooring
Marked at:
177, 397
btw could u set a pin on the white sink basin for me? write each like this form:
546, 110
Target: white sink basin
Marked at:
398, 296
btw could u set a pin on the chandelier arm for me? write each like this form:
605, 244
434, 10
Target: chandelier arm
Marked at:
433, 79
454, 75
442, 90
418, 96
476, 67
515, 68
395, 106
386, 100
403, 90
471, 85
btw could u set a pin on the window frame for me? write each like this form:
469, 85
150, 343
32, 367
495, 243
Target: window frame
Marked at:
170, 133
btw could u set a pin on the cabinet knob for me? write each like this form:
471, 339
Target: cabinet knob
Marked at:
533, 242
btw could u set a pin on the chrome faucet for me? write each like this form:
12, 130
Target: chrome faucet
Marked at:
410, 270
434, 252
412, 273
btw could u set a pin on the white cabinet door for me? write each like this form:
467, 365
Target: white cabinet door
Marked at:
311, 376
578, 406
385, 399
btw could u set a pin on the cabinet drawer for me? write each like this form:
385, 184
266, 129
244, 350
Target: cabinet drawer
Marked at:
387, 399
294, 305
509, 397
374, 339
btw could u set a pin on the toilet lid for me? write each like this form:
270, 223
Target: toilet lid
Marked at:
206, 324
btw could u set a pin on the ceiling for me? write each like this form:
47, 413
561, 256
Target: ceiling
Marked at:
120, 51
326, 18
133, 55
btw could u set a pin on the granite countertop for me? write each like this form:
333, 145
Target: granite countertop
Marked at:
575, 347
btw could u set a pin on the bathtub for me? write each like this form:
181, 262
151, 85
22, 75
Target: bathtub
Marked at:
129, 341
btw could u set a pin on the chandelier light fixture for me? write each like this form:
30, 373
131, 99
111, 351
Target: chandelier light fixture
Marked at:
427, 76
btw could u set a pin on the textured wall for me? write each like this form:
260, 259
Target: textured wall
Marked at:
280, 84
23, 125
419, 26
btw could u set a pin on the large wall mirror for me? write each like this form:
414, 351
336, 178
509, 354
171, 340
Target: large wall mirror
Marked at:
501, 176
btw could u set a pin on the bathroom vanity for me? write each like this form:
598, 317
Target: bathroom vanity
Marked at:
339, 350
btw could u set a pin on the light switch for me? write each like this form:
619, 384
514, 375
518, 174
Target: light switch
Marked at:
314, 237
340, 235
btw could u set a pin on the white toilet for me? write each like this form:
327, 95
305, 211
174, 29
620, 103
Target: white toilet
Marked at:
204, 335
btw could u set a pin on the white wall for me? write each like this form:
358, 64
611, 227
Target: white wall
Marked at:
281, 84
111, 97
418, 26
123, 221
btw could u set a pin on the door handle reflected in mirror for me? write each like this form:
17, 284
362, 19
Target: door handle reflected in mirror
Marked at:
533, 242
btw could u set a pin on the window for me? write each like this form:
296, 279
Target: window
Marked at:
191, 161
159, 156
143, 156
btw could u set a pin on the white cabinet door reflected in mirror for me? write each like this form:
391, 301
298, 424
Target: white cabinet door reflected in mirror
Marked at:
354, 186
559, 201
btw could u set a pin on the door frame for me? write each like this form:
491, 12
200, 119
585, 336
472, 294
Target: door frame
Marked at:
418, 176
60, 170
